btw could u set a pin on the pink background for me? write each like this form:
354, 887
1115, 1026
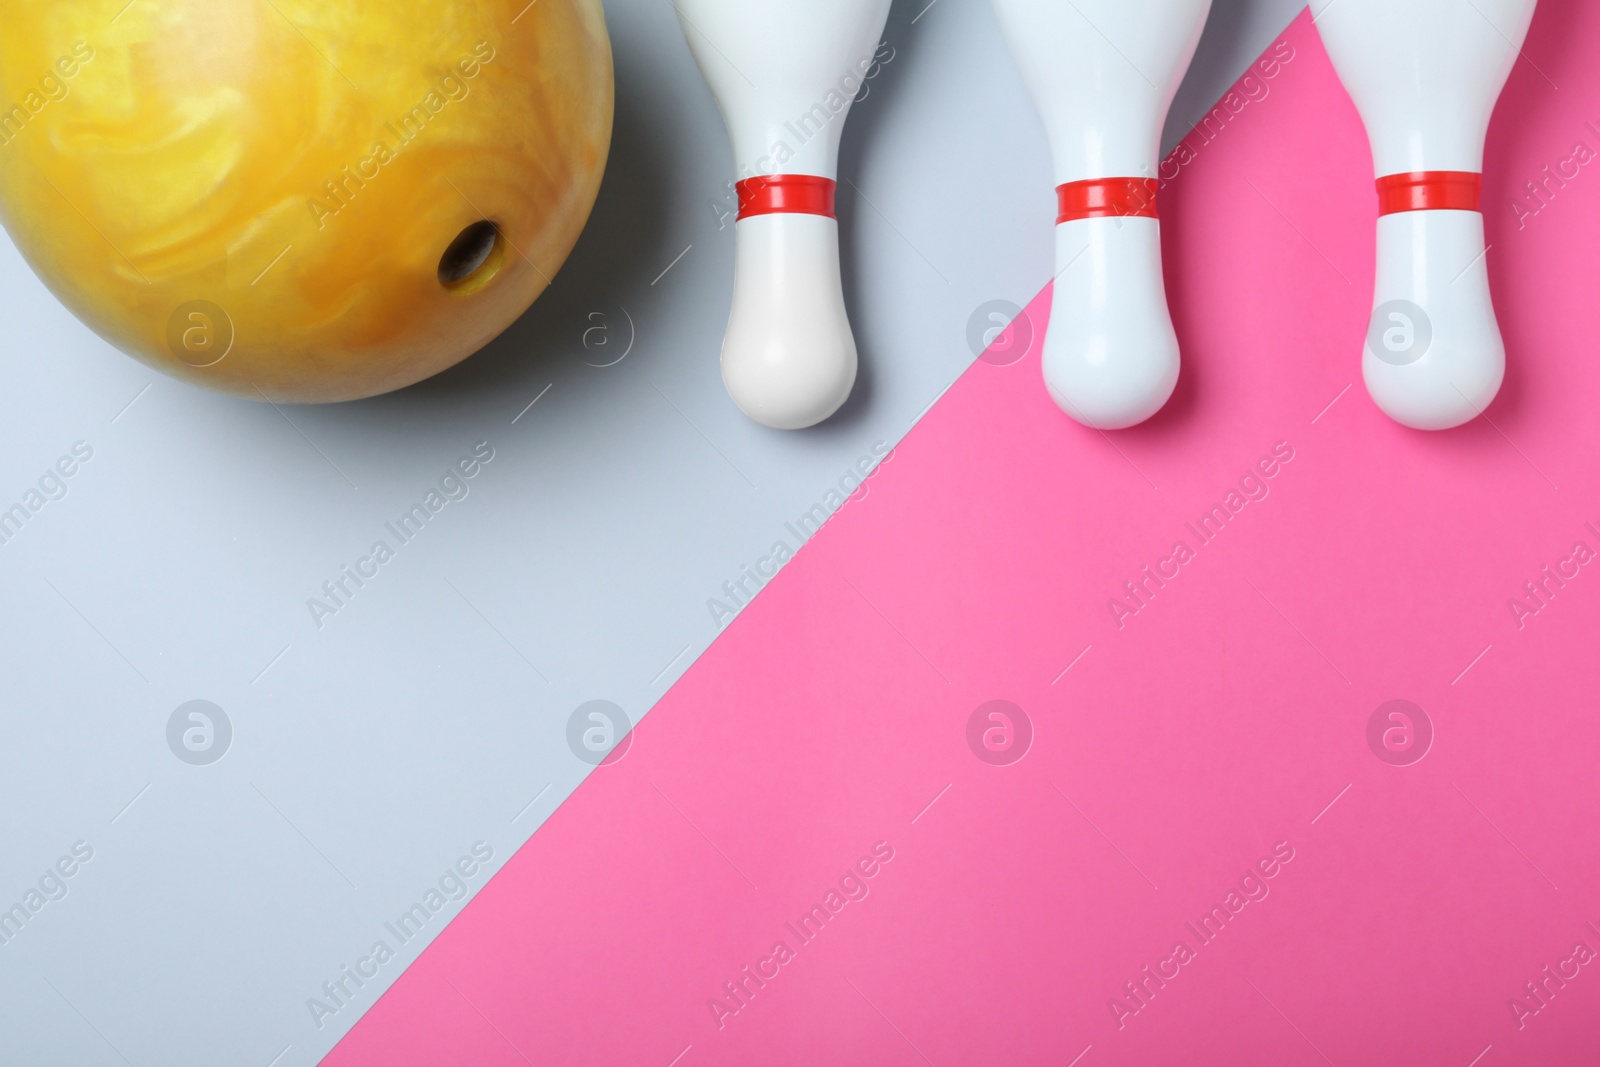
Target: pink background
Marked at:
1224, 717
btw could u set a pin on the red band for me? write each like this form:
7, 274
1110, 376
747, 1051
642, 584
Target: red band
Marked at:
1430, 190
786, 194
1099, 197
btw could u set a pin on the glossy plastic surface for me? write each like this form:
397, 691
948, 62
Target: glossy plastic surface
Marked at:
785, 73
1425, 75
1103, 74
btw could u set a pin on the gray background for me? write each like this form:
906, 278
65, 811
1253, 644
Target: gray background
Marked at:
431, 712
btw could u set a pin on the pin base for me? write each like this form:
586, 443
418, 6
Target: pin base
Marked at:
1434, 357
1110, 354
789, 357
1447, 393
790, 388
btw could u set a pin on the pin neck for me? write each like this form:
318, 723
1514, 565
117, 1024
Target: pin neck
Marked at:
1430, 190
1102, 197
787, 194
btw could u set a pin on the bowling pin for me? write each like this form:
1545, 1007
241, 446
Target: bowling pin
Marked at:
1103, 74
784, 73
1425, 75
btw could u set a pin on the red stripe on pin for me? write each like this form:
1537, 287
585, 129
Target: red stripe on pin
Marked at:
786, 194
1430, 190
1102, 197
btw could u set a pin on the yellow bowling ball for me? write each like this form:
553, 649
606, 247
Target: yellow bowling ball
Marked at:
301, 200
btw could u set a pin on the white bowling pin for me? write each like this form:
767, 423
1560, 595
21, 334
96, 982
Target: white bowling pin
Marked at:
1103, 74
784, 73
1425, 75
